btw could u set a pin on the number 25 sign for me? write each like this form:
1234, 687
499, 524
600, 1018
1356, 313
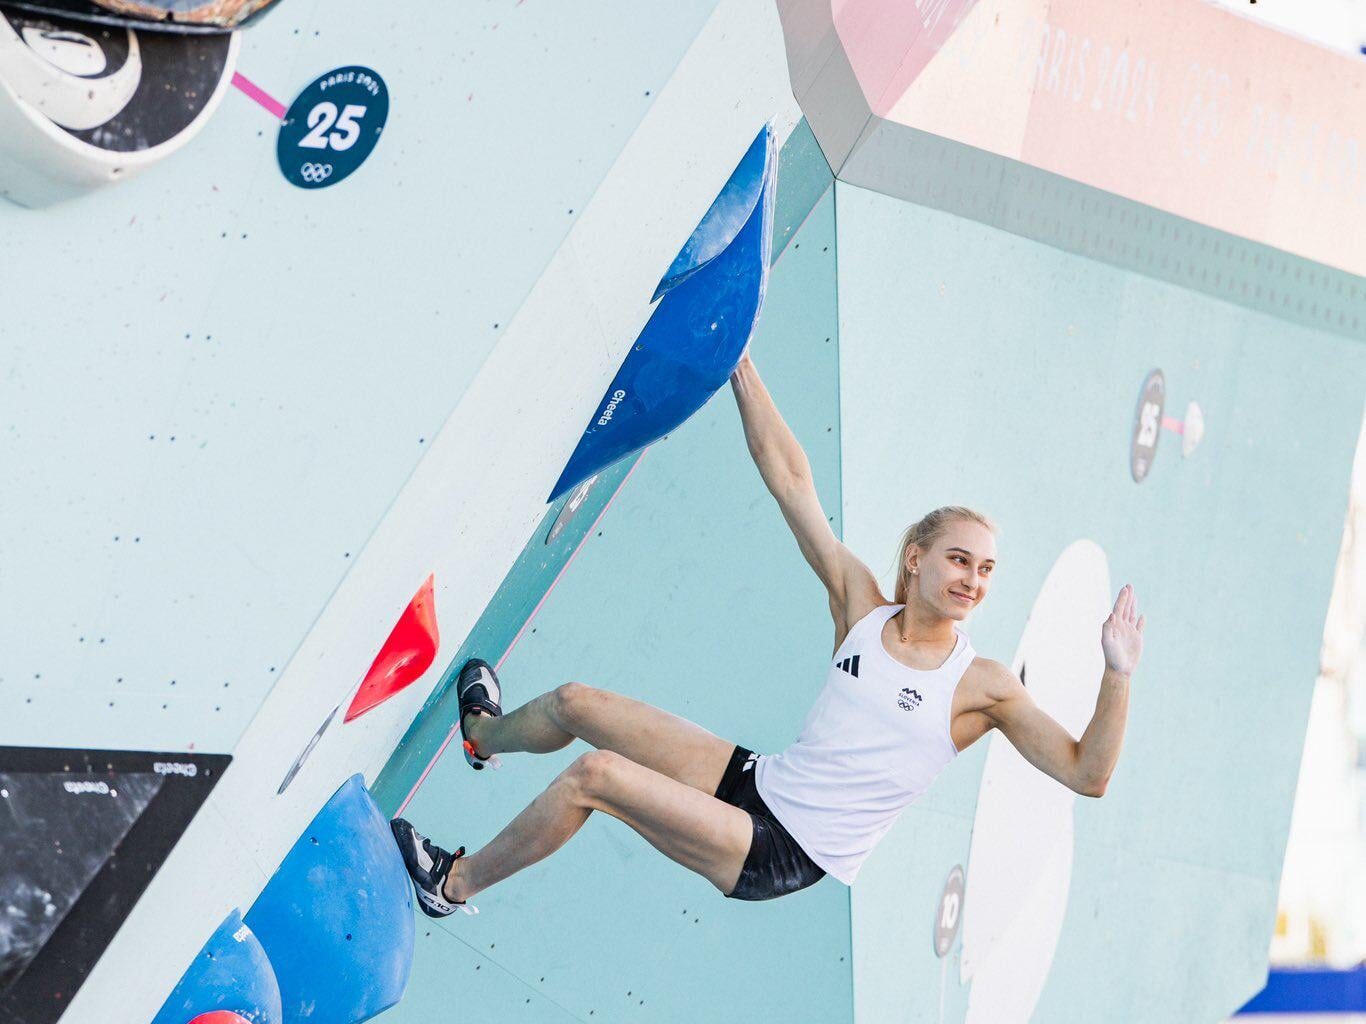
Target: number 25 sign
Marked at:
332, 127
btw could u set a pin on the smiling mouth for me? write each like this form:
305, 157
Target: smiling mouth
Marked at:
961, 597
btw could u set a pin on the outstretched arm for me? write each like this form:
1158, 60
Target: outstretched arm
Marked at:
1083, 765
771, 442
787, 474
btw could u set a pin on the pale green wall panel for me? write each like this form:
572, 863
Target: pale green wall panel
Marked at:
987, 369
242, 375
694, 597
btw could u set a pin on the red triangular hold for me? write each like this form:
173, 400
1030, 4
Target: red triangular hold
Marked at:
409, 651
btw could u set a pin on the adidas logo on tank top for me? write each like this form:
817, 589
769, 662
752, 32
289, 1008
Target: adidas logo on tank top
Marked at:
876, 737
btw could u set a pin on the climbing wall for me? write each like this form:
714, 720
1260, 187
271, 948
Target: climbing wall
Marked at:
689, 595
262, 417
1085, 286
294, 385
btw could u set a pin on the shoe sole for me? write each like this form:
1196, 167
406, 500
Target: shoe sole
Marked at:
430, 905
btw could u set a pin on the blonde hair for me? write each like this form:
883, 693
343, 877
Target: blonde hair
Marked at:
925, 532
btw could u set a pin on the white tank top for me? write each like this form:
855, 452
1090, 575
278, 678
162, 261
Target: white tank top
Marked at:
874, 740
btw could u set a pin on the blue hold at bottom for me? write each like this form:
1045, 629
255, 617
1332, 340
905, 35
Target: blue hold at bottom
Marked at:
711, 297
336, 918
231, 972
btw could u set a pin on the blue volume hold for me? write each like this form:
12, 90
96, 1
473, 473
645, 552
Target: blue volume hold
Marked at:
231, 972
712, 294
728, 213
336, 918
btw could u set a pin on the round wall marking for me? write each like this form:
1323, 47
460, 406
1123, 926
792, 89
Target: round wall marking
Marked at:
1147, 425
332, 127
950, 915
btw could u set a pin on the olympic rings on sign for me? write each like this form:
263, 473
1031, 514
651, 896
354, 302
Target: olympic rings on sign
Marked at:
315, 173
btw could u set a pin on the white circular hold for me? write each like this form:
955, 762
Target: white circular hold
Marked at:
62, 73
73, 52
84, 105
1194, 430
1020, 862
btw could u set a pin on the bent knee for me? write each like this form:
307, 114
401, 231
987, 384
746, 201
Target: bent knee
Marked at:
571, 700
593, 772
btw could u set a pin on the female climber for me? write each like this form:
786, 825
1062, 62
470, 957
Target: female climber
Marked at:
905, 694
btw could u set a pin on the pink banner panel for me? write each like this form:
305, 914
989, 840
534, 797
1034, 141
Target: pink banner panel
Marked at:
889, 42
1177, 104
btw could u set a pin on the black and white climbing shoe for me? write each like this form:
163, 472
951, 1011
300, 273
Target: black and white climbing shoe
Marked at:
477, 691
428, 865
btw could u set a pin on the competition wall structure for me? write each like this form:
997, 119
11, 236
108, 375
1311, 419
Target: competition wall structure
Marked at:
241, 465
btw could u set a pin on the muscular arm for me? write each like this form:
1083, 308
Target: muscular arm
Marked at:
1084, 765
786, 472
771, 442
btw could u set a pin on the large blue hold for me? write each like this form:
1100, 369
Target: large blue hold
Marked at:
336, 918
712, 295
231, 972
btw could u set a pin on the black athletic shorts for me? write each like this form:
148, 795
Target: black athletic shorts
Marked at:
775, 865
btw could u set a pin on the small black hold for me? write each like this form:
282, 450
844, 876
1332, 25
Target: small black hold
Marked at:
348, 936
313, 840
